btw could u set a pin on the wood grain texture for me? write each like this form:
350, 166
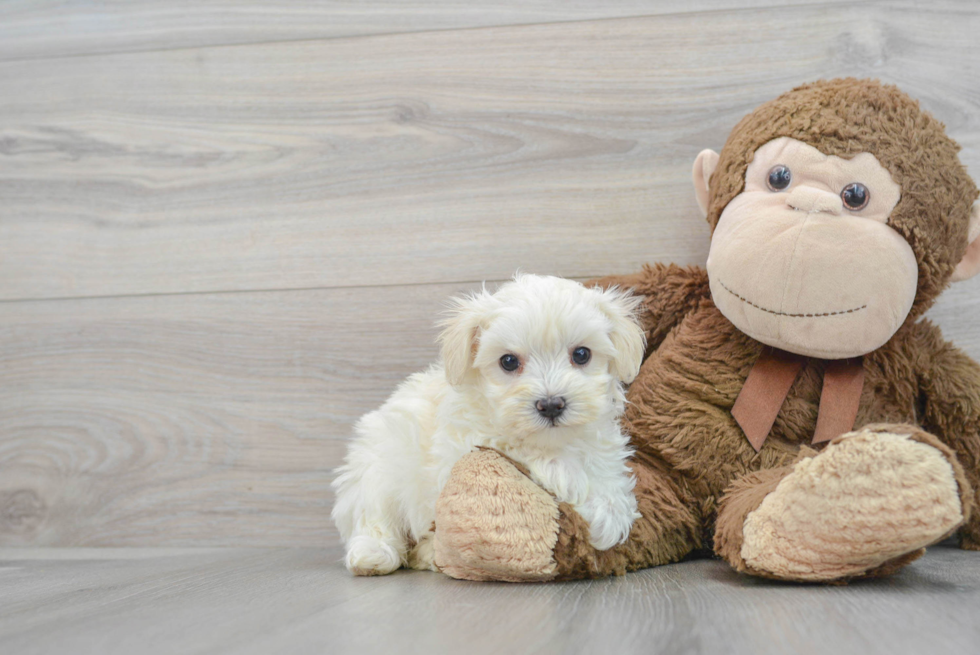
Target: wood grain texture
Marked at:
301, 601
54, 28
418, 158
958, 314
194, 419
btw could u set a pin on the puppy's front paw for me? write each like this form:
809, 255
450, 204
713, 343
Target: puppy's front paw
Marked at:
565, 478
423, 556
610, 518
370, 556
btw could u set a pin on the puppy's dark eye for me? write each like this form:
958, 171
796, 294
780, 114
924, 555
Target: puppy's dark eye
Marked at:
510, 363
779, 178
581, 355
855, 196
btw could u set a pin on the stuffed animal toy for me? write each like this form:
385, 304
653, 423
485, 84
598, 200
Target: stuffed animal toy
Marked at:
795, 412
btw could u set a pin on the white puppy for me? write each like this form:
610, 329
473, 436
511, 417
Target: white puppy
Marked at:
535, 371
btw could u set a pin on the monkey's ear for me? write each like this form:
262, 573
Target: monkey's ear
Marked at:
704, 166
970, 264
460, 332
627, 337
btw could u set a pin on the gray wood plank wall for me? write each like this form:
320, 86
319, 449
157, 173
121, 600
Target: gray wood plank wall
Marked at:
225, 233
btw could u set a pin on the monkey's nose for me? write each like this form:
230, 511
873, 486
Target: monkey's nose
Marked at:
550, 407
810, 200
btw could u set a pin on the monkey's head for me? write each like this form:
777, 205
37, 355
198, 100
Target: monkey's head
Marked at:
839, 212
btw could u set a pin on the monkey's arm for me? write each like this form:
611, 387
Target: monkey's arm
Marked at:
949, 385
670, 291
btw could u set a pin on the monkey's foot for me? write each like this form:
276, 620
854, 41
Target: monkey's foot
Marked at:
866, 505
494, 523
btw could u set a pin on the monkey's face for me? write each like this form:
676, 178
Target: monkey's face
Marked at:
804, 260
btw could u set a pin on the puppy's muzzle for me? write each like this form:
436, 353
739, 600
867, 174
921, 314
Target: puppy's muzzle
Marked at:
550, 407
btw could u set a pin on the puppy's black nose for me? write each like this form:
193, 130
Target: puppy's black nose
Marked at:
550, 407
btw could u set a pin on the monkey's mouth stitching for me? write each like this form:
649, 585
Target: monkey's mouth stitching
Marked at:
747, 301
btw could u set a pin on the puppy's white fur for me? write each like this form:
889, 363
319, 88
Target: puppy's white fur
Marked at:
403, 452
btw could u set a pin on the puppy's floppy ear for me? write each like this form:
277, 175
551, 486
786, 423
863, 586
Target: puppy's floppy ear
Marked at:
620, 307
460, 331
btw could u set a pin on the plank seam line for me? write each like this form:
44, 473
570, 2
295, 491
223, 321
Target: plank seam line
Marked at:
217, 292
155, 294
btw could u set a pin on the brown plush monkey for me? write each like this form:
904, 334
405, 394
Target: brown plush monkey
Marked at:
795, 411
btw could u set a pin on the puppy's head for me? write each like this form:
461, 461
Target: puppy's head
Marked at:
544, 352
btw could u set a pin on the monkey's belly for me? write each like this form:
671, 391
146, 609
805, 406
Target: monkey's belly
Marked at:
680, 405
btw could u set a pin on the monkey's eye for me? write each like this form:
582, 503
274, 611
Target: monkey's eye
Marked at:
779, 178
855, 196
581, 355
510, 363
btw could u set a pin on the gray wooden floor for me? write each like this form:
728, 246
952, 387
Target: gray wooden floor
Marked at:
298, 601
226, 229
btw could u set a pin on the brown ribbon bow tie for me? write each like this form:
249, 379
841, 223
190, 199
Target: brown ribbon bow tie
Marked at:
769, 382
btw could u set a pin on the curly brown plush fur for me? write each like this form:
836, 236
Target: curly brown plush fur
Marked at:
699, 480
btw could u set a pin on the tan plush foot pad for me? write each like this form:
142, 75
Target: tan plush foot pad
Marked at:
872, 496
494, 523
